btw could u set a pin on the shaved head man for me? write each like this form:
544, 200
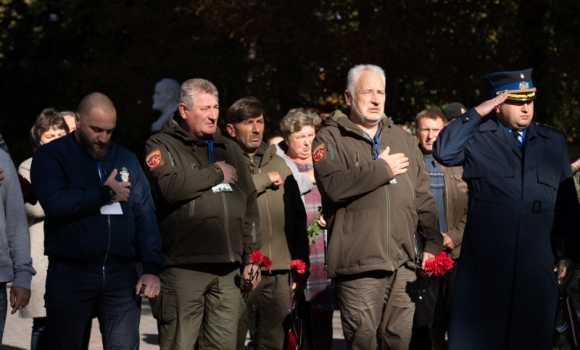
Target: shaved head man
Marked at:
95, 120
99, 222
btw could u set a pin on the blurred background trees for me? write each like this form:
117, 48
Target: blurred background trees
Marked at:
288, 53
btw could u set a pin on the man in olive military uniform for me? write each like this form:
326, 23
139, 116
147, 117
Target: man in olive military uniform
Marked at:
209, 223
375, 196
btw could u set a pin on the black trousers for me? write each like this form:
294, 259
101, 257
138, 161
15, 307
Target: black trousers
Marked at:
425, 301
433, 310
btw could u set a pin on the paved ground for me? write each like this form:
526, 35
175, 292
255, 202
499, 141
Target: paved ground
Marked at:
17, 332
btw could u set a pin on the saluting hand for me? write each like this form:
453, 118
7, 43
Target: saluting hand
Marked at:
398, 161
122, 189
1, 176
486, 107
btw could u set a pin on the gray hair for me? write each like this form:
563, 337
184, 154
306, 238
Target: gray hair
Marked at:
356, 71
296, 119
192, 87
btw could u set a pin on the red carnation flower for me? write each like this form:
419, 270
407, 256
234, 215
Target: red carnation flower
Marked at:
260, 260
256, 256
298, 265
438, 265
267, 263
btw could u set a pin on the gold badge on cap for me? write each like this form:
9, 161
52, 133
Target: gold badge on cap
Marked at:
524, 85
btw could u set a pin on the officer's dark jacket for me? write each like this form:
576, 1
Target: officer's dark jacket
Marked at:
67, 184
505, 284
198, 225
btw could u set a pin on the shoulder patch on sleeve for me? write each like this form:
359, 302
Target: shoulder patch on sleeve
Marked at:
153, 159
319, 152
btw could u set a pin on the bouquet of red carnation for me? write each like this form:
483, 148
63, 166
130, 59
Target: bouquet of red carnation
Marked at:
260, 260
26, 188
299, 266
438, 265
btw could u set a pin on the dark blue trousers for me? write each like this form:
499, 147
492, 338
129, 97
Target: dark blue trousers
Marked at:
71, 295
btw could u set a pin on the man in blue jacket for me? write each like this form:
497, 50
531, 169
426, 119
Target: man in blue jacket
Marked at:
519, 179
99, 222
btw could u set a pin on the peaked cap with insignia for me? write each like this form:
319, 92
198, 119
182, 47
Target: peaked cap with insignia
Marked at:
518, 84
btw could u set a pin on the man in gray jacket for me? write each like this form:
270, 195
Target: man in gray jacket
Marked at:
15, 261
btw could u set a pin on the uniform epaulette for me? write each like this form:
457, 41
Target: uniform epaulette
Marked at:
547, 126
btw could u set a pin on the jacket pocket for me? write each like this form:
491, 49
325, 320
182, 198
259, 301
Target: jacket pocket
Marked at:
489, 164
474, 214
164, 306
460, 185
549, 175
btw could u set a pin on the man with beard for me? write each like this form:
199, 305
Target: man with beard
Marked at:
375, 196
99, 222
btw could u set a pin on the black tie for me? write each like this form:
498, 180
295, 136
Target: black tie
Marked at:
518, 136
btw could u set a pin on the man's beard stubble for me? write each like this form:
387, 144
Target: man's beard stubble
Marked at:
365, 119
90, 147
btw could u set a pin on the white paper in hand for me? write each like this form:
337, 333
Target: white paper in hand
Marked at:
112, 209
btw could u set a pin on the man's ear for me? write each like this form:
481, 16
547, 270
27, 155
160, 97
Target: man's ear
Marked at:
347, 97
181, 107
77, 119
231, 130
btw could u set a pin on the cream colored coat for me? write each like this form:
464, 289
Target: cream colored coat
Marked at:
35, 215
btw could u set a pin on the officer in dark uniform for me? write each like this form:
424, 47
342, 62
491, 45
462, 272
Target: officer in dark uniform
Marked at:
518, 176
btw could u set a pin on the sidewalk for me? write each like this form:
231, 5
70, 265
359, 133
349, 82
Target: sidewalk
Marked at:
17, 332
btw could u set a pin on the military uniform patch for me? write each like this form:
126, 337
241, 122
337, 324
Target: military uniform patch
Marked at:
153, 159
318, 153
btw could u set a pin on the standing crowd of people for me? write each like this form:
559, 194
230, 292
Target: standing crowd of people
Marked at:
224, 232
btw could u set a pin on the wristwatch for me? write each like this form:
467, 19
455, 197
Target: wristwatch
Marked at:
112, 194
